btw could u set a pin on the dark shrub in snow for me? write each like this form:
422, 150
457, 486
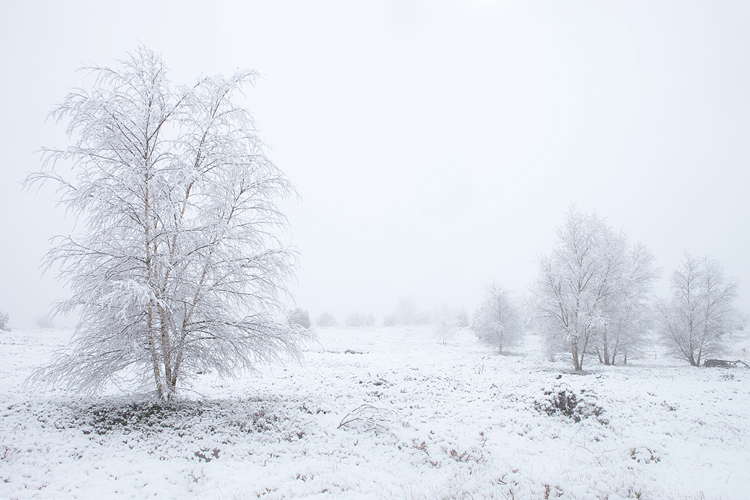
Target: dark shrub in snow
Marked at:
566, 403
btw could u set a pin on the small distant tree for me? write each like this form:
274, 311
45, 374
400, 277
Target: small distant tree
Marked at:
326, 320
462, 319
389, 320
697, 315
423, 318
497, 321
298, 317
406, 311
445, 328
356, 320
4, 322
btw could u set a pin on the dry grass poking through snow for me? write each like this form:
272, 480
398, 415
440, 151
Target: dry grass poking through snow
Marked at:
386, 413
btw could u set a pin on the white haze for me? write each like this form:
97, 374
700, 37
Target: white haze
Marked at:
435, 145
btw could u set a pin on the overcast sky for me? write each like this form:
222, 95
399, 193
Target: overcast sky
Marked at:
436, 145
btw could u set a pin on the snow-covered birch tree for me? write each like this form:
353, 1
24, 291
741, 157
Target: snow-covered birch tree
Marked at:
593, 292
497, 321
574, 282
697, 315
627, 312
178, 267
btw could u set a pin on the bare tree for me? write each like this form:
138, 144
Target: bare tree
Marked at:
179, 267
697, 315
497, 321
445, 328
627, 310
576, 281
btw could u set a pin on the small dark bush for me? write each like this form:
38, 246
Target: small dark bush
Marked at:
566, 403
152, 417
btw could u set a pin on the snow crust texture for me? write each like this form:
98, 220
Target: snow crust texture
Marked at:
385, 413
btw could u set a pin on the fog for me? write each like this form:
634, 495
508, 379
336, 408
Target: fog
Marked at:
435, 145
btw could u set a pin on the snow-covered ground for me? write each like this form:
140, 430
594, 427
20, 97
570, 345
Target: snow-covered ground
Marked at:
385, 413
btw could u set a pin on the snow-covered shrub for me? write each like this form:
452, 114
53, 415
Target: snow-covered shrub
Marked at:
4, 322
565, 402
645, 455
326, 320
445, 329
196, 418
298, 317
357, 320
389, 319
368, 418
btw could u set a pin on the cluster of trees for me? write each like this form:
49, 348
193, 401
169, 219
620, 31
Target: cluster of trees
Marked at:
593, 292
406, 313
594, 296
4, 322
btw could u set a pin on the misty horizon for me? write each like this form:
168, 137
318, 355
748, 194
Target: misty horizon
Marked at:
435, 147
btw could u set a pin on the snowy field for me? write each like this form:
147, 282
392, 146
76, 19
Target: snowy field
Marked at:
386, 413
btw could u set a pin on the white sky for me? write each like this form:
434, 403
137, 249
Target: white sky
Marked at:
436, 145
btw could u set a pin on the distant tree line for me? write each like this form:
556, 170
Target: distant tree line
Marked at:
594, 295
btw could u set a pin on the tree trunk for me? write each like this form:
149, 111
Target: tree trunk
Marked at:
574, 352
605, 340
166, 348
154, 353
